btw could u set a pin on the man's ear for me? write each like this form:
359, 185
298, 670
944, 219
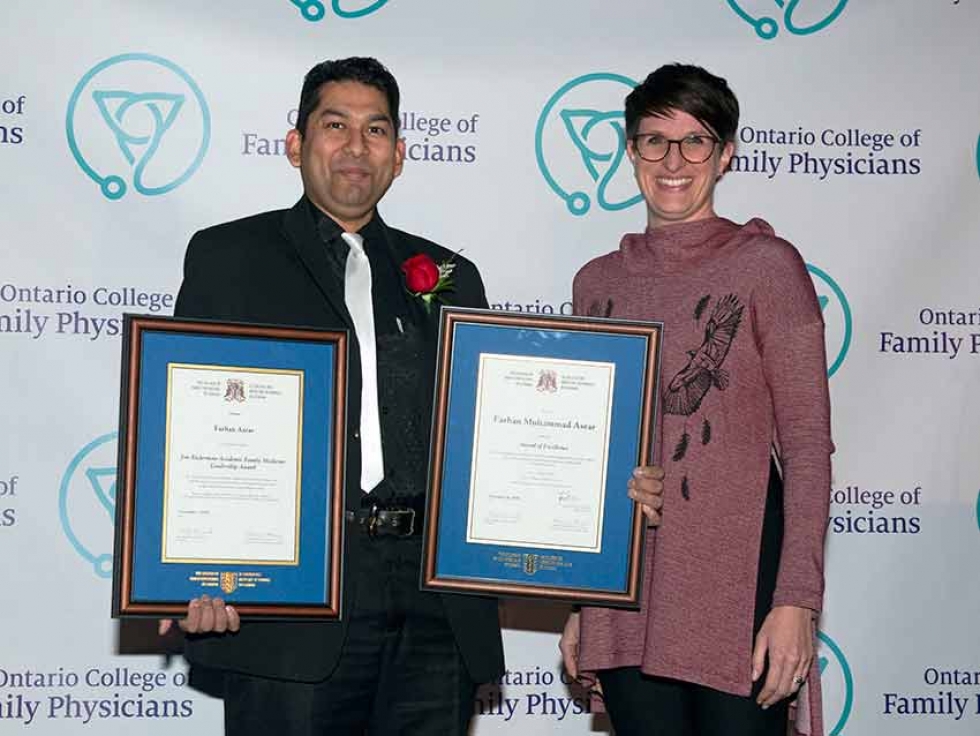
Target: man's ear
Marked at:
294, 147
399, 156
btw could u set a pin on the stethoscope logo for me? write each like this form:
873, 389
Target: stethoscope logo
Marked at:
580, 144
767, 27
838, 684
87, 503
315, 11
837, 316
137, 122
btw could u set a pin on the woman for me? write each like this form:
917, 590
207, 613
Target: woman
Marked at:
734, 576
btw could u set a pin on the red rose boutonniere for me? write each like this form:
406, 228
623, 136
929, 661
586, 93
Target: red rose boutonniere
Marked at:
427, 280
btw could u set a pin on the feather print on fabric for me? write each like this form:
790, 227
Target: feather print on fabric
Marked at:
705, 432
600, 309
685, 489
681, 450
699, 309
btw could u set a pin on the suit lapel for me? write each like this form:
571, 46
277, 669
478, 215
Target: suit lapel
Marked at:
399, 251
428, 321
299, 230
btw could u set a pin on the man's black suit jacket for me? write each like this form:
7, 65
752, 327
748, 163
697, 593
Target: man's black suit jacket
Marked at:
270, 268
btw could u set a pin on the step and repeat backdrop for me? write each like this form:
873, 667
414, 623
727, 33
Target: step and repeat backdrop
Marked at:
126, 126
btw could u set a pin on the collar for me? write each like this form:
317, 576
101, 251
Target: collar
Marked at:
328, 229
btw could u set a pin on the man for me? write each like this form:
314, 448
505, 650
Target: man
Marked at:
400, 660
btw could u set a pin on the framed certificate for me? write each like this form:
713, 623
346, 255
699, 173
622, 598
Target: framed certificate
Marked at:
230, 473
538, 423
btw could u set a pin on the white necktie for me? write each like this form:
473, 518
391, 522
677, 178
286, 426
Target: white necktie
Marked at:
357, 296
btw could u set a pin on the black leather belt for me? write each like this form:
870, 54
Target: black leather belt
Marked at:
389, 520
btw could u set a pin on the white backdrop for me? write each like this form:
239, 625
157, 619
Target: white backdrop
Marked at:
125, 126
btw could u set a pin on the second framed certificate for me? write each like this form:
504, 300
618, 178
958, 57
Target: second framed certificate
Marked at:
538, 424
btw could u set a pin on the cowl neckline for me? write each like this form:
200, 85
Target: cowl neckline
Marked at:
686, 245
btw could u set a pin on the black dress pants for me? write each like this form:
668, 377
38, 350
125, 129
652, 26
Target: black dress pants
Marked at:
640, 705
400, 671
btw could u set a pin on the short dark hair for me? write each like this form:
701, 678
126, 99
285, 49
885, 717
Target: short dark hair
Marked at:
363, 69
688, 88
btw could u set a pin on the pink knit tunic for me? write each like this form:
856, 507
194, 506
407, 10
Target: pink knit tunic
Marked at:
744, 369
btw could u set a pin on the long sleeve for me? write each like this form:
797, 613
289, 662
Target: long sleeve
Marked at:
790, 332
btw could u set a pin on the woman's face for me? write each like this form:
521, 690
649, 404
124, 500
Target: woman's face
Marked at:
676, 190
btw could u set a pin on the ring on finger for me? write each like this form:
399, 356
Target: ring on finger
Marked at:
798, 681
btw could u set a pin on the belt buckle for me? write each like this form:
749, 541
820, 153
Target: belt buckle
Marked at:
411, 523
381, 522
389, 522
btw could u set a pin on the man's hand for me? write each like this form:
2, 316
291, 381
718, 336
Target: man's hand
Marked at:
647, 489
568, 644
205, 615
786, 638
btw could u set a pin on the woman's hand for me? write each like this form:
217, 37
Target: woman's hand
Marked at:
786, 639
205, 615
647, 489
568, 644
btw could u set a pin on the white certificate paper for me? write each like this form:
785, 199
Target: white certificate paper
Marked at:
233, 460
540, 452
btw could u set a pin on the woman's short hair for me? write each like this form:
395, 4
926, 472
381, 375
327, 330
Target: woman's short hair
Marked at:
688, 88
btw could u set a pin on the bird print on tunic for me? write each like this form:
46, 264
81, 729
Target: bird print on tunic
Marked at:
687, 390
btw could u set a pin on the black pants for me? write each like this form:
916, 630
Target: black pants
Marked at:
656, 706
400, 671
639, 705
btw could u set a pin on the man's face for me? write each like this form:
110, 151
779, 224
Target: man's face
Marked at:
349, 154
676, 190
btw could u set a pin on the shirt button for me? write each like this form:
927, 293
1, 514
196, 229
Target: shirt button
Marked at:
357, 435
384, 410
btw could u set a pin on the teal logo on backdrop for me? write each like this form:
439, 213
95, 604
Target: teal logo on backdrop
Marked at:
978, 510
764, 15
87, 502
580, 142
138, 121
315, 10
836, 316
837, 683
978, 156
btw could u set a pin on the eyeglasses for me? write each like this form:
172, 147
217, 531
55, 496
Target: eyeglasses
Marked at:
696, 149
